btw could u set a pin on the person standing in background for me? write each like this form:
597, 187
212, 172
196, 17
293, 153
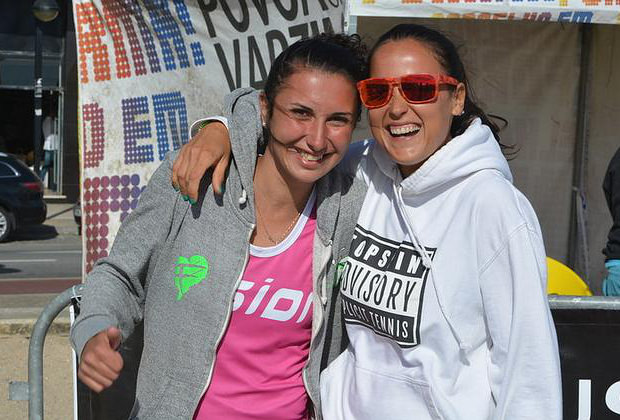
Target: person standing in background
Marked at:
50, 146
611, 187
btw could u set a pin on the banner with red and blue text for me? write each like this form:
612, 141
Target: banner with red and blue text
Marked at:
148, 68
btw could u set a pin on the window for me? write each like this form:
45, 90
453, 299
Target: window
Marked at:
6, 170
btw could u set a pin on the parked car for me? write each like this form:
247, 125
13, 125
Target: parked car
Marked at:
21, 196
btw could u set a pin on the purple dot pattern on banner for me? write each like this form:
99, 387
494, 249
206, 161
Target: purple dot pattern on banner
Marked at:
145, 33
102, 196
134, 130
92, 114
170, 105
115, 12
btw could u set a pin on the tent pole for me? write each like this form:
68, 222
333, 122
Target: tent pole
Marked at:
577, 240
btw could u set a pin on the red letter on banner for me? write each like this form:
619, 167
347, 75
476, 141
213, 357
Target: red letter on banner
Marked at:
90, 42
111, 14
92, 117
114, 11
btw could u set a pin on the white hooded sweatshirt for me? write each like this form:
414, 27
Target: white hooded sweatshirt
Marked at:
461, 330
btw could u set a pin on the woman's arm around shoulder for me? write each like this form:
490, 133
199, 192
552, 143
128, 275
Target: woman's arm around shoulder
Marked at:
210, 146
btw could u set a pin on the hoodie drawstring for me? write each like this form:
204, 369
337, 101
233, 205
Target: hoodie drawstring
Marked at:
426, 261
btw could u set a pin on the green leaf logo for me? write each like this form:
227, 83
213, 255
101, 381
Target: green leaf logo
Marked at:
339, 270
190, 272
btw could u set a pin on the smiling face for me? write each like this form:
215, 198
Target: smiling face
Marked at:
311, 122
411, 133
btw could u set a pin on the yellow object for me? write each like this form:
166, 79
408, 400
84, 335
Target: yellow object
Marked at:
561, 280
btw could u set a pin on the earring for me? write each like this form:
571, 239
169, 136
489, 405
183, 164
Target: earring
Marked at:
462, 113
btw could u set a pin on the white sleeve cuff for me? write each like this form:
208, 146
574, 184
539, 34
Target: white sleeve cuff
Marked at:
196, 125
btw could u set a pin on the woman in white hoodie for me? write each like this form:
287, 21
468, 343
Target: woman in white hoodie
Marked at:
444, 288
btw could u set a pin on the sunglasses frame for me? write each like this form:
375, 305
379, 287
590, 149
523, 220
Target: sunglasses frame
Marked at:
439, 79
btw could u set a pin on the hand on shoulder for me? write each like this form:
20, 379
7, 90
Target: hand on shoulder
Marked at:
209, 148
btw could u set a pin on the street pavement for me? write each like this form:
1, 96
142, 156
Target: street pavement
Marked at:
43, 266
38, 264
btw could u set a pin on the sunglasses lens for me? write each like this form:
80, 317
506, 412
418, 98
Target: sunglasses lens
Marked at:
375, 94
418, 88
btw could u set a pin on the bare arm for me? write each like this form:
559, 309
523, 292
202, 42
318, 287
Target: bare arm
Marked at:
209, 148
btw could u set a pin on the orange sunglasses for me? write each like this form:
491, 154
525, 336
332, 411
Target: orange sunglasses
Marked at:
415, 88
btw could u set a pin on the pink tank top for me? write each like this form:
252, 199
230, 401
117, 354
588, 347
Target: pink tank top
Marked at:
259, 363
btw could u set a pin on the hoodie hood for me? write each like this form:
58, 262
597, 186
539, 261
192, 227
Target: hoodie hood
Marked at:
242, 109
474, 150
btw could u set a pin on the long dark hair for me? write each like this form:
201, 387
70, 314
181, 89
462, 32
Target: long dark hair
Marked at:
447, 55
329, 52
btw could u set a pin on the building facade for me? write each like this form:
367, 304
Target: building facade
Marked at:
59, 79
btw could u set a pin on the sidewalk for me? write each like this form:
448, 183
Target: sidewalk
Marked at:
59, 222
60, 216
57, 376
18, 314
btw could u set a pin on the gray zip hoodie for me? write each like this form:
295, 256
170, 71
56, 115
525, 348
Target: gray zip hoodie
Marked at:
177, 267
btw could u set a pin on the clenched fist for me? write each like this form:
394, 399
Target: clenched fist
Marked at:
101, 363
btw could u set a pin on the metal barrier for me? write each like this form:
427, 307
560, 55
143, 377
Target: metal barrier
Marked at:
33, 389
584, 302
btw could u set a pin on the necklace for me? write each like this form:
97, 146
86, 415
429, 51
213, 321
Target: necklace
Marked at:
286, 232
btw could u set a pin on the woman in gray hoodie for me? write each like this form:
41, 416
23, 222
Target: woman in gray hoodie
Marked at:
444, 288
241, 278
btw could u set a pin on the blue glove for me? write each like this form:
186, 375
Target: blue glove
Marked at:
611, 284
